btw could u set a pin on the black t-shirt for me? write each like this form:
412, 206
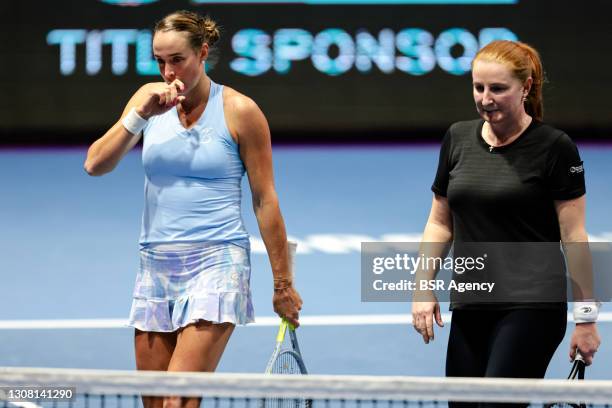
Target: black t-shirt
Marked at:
506, 194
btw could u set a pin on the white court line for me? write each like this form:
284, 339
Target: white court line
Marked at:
264, 321
23, 404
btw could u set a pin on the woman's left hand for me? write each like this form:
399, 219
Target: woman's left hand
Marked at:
586, 340
287, 303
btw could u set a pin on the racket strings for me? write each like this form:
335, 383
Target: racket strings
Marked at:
286, 363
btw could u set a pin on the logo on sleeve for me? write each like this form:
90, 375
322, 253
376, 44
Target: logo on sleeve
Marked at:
575, 170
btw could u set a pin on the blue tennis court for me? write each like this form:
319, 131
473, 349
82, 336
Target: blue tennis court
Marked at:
69, 257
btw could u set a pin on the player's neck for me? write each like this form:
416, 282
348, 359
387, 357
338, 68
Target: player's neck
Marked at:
500, 134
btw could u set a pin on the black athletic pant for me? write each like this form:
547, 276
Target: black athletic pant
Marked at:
515, 343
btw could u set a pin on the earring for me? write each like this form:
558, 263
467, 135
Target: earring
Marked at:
524, 98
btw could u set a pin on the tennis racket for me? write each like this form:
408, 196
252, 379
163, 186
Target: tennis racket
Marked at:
576, 373
286, 358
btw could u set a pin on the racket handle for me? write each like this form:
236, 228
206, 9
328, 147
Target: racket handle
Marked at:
579, 368
282, 329
287, 324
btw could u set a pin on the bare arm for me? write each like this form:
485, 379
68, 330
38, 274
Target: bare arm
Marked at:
439, 227
571, 215
105, 153
151, 99
436, 237
575, 244
253, 135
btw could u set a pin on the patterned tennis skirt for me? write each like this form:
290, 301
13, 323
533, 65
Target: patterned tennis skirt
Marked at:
179, 284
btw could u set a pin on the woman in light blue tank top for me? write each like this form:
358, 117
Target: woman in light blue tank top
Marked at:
199, 138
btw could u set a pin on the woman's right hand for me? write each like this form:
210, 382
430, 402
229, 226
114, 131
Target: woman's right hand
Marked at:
160, 97
423, 314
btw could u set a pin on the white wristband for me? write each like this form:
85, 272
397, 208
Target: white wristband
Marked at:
133, 122
586, 312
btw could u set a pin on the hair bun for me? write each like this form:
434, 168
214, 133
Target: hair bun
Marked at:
200, 29
211, 30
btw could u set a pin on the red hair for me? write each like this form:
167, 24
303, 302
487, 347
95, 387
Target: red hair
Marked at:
524, 62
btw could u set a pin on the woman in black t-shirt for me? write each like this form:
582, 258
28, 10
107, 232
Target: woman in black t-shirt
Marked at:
507, 177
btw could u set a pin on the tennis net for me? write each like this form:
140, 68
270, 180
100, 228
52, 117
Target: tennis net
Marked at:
44, 387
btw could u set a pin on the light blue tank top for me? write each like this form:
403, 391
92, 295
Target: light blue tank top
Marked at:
192, 179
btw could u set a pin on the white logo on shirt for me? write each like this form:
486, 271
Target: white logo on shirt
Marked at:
207, 134
576, 169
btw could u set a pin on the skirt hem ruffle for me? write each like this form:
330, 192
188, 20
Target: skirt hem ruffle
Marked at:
169, 315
